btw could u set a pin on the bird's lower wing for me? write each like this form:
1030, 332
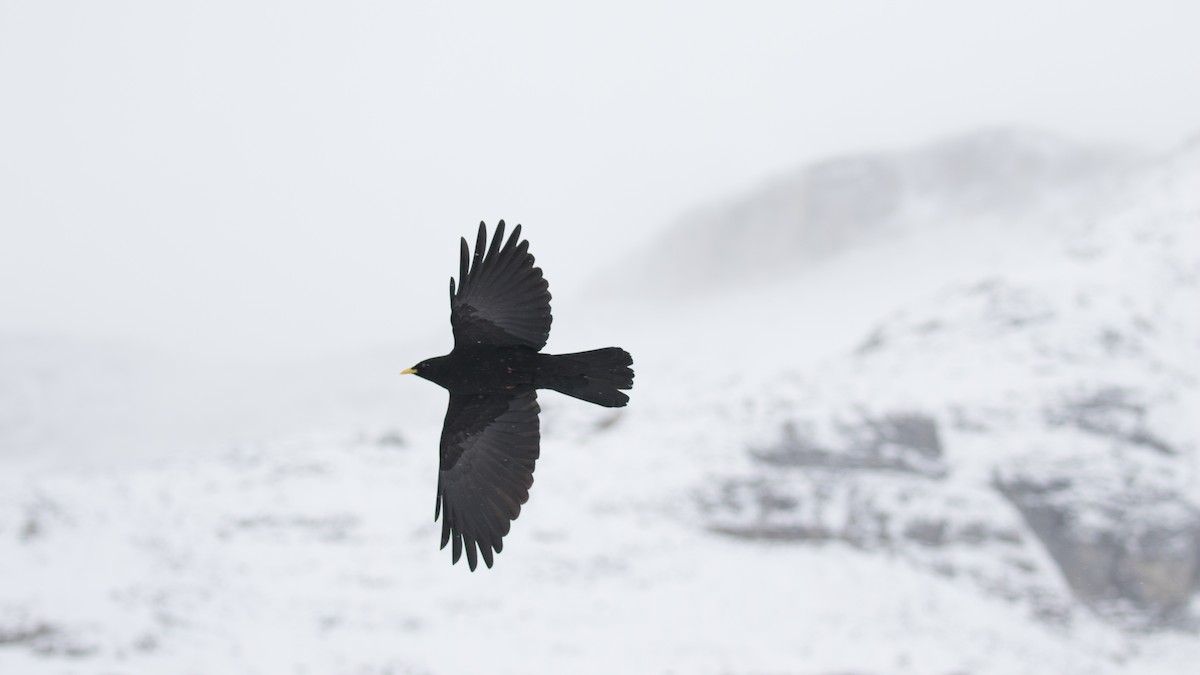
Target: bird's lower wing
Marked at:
489, 446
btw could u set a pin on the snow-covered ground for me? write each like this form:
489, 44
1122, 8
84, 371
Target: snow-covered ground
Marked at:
910, 454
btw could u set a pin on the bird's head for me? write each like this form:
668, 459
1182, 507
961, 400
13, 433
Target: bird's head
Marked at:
431, 369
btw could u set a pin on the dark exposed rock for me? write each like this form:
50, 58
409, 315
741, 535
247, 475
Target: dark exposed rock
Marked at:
907, 442
1112, 412
930, 524
40, 513
40, 637
391, 439
335, 527
26, 634
831, 505
1136, 549
874, 341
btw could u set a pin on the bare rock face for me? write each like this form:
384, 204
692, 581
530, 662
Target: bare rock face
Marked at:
1112, 412
1123, 537
901, 441
18, 629
812, 482
1131, 553
858, 507
877, 482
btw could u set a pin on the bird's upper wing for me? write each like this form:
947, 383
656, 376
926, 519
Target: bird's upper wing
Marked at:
490, 443
502, 299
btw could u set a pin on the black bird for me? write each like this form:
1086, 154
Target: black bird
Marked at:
500, 315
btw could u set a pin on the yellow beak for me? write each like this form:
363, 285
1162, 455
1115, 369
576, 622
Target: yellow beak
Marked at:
409, 371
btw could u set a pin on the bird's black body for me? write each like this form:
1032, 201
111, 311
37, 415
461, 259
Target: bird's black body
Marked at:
503, 370
486, 370
490, 443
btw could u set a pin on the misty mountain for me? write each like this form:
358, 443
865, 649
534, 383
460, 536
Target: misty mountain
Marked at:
1036, 418
954, 433
829, 207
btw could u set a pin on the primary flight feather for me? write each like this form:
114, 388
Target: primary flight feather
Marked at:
500, 314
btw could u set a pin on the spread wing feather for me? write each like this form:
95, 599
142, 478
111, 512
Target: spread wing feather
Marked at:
501, 299
490, 444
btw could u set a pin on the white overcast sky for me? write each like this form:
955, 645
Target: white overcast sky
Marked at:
249, 178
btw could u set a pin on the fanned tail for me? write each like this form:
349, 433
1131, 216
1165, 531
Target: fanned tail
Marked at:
596, 376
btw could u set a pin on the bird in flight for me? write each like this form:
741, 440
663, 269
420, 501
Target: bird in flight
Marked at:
500, 315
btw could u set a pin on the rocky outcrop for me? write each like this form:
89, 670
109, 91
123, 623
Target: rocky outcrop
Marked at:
898, 441
1124, 539
1131, 552
20, 630
877, 482
1113, 412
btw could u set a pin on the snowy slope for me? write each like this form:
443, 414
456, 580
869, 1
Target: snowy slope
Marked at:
900, 459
